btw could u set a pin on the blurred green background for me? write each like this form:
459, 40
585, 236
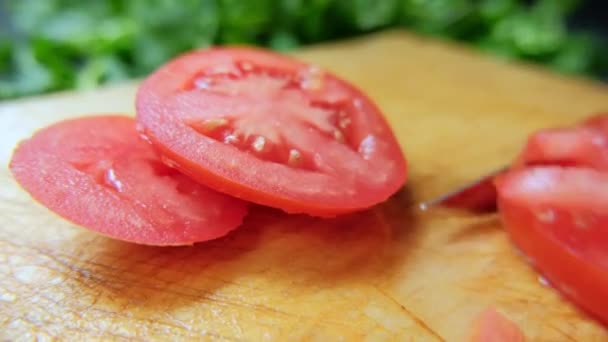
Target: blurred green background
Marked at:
50, 45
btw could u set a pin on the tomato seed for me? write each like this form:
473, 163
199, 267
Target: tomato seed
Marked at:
339, 136
259, 143
111, 180
295, 158
313, 79
246, 66
546, 216
211, 125
344, 122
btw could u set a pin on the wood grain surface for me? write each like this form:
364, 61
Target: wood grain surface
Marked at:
389, 273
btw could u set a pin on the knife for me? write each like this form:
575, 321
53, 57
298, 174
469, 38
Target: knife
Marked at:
478, 195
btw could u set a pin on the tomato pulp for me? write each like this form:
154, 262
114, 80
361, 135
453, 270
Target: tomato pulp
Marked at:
272, 130
97, 172
554, 204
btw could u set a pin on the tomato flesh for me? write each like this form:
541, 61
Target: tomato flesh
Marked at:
97, 172
271, 130
554, 205
581, 146
559, 218
598, 121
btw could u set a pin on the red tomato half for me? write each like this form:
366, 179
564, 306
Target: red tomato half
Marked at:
559, 218
272, 130
97, 172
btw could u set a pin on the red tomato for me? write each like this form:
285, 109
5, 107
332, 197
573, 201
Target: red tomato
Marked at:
559, 218
582, 146
491, 326
97, 173
598, 121
272, 130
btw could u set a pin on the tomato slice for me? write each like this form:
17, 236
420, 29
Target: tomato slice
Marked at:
581, 145
272, 130
491, 326
98, 173
559, 218
598, 121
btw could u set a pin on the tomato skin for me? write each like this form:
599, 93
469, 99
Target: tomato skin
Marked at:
491, 326
554, 205
96, 172
598, 121
540, 209
346, 182
573, 146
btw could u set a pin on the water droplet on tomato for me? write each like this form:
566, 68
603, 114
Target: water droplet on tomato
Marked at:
358, 103
110, 179
259, 144
546, 216
202, 83
367, 146
231, 139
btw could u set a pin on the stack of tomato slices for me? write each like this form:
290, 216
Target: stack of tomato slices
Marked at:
554, 204
215, 130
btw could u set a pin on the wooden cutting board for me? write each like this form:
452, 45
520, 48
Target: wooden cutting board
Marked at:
389, 273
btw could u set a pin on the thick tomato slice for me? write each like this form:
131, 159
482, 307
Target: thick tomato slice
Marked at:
98, 173
572, 146
598, 121
559, 218
272, 130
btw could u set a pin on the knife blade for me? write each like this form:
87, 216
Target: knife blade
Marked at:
478, 195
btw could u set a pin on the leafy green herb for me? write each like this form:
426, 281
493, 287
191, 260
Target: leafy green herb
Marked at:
53, 45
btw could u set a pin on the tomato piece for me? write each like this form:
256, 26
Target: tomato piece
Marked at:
558, 217
581, 145
272, 130
598, 121
491, 326
97, 172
